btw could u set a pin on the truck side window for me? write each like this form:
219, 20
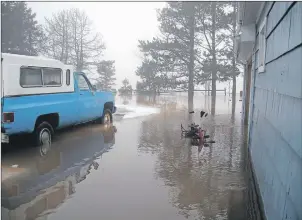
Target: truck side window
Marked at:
52, 76
82, 83
30, 77
68, 77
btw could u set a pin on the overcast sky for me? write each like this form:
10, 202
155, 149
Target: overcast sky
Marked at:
121, 24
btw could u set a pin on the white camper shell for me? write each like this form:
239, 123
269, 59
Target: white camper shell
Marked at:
30, 75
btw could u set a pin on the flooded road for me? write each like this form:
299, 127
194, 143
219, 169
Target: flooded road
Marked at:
139, 169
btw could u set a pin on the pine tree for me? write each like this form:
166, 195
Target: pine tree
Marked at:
174, 51
212, 23
126, 89
106, 72
192, 47
150, 75
20, 32
234, 66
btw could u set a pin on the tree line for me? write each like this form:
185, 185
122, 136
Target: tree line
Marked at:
67, 36
195, 46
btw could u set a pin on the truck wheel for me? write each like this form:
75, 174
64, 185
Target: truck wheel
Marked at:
107, 117
43, 134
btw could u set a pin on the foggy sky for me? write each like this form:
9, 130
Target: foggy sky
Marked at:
121, 24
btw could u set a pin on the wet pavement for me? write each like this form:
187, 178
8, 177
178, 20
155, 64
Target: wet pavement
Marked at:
140, 168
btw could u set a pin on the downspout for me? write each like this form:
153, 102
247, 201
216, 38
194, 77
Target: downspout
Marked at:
260, 12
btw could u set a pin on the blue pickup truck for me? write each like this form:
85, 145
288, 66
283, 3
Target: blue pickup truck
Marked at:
40, 95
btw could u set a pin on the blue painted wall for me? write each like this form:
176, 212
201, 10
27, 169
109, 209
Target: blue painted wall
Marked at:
276, 113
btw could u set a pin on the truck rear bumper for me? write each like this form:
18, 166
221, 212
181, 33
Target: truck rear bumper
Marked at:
4, 138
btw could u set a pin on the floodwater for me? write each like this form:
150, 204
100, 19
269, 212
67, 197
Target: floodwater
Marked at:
139, 169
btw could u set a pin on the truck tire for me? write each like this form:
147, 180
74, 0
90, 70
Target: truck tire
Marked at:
42, 137
106, 117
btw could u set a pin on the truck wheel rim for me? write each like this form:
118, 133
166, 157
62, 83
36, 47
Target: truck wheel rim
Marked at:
45, 138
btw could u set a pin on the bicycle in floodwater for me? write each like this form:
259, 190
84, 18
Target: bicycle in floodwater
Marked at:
197, 135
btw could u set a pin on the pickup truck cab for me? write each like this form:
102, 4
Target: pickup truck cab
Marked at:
40, 95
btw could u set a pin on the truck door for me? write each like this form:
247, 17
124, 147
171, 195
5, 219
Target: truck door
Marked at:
87, 100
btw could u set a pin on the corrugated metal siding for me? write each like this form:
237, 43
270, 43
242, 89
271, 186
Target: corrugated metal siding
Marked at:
276, 128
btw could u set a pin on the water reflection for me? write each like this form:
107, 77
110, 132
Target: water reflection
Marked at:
224, 104
34, 186
147, 100
126, 99
207, 186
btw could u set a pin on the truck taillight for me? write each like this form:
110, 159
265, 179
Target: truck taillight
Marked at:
8, 117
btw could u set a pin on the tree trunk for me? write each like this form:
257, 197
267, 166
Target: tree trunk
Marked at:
67, 36
63, 38
234, 62
214, 61
191, 64
234, 95
30, 45
81, 53
75, 44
